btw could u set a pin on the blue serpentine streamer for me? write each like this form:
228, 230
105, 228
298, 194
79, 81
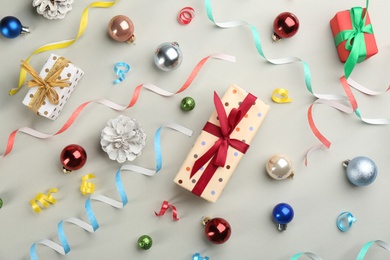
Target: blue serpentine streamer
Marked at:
93, 224
197, 256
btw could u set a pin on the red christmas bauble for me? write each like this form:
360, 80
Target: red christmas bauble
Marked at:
73, 157
217, 230
286, 25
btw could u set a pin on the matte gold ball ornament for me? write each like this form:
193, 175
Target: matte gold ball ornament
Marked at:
279, 167
121, 29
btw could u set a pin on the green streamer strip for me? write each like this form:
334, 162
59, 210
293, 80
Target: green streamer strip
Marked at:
311, 255
259, 48
366, 247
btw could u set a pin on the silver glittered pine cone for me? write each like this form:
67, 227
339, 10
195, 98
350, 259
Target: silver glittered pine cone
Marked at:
53, 9
123, 139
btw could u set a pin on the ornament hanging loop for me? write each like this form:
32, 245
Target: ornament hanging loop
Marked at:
25, 30
205, 220
345, 163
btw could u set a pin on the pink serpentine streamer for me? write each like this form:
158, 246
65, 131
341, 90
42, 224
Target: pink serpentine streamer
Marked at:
112, 105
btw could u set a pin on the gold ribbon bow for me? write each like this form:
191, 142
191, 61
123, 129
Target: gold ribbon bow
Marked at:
46, 85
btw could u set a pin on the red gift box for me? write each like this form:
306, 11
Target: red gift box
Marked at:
342, 21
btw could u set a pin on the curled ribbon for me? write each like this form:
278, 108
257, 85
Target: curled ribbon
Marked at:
345, 216
218, 152
62, 44
332, 100
164, 207
112, 105
354, 38
64, 248
121, 72
197, 256
366, 247
87, 187
186, 15
280, 95
46, 86
44, 200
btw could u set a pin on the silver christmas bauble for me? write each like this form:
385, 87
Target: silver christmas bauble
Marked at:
168, 56
279, 167
361, 171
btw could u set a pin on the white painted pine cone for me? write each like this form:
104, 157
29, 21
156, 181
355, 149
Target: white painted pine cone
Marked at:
53, 9
123, 139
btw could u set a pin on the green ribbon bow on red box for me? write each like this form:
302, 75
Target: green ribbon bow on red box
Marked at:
354, 38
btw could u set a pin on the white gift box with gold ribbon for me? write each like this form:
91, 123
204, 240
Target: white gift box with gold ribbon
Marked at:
52, 87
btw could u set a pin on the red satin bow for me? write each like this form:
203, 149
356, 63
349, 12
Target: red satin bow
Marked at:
218, 152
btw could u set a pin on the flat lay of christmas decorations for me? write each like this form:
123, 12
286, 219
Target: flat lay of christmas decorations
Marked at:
194, 130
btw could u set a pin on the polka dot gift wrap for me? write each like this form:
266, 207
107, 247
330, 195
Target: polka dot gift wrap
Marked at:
252, 113
69, 72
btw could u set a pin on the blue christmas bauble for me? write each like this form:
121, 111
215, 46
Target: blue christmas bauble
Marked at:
361, 171
283, 213
10, 27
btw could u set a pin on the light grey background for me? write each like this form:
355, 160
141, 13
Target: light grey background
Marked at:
318, 193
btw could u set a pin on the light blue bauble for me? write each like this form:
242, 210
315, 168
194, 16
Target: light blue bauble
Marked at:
361, 171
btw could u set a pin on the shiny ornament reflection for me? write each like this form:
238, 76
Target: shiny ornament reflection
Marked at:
145, 242
361, 171
11, 27
121, 29
187, 104
168, 56
279, 167
73, 157
286, 25
217, 230
283, 214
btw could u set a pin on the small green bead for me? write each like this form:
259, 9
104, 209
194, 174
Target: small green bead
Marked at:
187, 104
1, 203
145, 242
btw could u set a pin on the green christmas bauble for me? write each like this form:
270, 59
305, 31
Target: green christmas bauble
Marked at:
145, 242
187, 104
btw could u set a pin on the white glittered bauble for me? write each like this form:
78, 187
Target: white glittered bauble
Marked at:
361, 170
123, 139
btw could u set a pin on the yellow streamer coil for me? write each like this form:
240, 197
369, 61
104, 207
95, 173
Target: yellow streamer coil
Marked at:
87, 187
62, 44
280, 95
44, 200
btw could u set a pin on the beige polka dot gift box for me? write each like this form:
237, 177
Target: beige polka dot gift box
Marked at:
222, 143
51, 88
